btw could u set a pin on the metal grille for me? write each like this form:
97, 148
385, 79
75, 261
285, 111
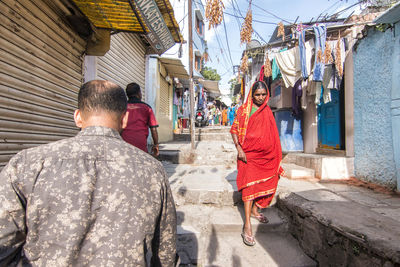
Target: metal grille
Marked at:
124, 62
40, 75
164, 97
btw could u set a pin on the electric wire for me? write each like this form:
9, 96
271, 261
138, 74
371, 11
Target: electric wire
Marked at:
269, 12
227, 43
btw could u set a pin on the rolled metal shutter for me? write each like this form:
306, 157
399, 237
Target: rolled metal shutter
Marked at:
124, 62
164, 97
40, 75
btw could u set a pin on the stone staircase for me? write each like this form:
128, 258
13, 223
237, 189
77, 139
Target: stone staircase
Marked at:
210, 211
210, 220
213, 133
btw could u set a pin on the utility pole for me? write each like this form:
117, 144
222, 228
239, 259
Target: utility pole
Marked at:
191, 90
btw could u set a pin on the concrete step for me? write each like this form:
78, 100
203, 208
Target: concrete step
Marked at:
204, 137
293, 171
271, 249
210, 129
228, 218
211, 237
205, 153
327, 167
209, 184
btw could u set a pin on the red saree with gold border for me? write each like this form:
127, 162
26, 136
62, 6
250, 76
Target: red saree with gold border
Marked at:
258, 136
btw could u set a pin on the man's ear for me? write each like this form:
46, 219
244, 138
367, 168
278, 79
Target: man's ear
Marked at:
124, 120
78, 118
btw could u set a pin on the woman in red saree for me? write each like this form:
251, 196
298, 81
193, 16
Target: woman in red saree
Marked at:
256, 138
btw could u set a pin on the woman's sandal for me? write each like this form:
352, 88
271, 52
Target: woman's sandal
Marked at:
248, 239
261, 218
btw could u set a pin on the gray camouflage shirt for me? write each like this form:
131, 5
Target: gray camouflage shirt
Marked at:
90, 200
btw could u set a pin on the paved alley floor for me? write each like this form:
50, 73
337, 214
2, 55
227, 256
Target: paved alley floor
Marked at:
312, 222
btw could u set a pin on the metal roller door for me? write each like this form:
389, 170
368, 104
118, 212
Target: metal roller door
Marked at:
124, 62
40, 75
165, 98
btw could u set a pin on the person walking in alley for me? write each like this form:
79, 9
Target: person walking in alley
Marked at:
140, 119
89, 200
224, 116
256, 138
231, 114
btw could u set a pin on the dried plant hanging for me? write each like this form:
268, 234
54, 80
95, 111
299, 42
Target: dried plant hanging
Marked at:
338, 57
320, 57
267, 66
281, 30
205, 57
247, 27
244, 64
214, 12
328, 53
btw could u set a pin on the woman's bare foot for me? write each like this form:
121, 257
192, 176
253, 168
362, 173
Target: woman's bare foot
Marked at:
259, 216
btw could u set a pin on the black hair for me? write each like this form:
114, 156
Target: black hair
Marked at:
132, 89
101, 95
258, 85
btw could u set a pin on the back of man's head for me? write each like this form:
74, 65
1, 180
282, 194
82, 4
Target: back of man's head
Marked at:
133, 89
102, 97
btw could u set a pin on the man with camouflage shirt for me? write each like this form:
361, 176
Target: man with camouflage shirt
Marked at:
90, 200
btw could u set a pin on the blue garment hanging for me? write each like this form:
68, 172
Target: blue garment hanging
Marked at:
320, 39
303, 58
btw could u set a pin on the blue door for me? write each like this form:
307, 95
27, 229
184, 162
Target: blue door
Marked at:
329, 122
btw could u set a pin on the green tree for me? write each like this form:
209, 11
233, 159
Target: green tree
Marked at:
233, 83
210, 74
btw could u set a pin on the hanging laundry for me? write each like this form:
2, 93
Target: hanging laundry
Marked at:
186, 104
320, 39
201, 96
303, 57
297, 92
266, 79
289, 64
318, 92
276, 72
176, 100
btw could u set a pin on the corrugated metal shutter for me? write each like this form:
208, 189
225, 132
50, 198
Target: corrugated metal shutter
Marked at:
124, 62
40, 75
164, 97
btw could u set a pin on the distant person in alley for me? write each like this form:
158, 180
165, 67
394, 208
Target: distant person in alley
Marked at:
89, 200
256, 138
231, 114
140, 119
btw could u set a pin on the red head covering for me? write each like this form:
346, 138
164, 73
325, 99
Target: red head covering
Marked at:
239, 126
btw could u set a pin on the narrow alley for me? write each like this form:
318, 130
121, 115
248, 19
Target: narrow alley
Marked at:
311, 220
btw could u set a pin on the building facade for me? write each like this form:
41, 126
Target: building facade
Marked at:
49, 48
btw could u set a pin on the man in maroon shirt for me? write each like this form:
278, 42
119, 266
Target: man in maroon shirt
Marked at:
140, 119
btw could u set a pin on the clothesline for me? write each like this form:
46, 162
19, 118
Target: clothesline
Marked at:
310, 32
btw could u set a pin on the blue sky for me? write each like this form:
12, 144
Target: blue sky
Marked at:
270, 12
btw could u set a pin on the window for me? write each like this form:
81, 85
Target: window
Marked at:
197, 63
199, 26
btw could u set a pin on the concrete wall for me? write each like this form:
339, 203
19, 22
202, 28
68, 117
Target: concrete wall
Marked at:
310, 126
373, 143
153, 69
349, 104
396, 101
